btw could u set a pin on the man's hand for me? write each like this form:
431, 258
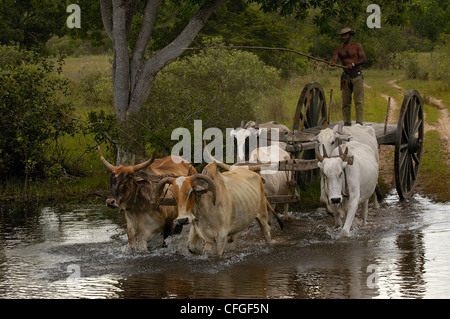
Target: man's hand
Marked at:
349, 66
332, 63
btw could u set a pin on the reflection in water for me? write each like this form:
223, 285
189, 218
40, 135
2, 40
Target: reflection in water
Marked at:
75, 252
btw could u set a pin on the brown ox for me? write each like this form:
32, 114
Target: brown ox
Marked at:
133, 192
219, 205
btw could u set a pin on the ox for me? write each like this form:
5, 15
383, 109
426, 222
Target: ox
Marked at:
344, 187
132, 191
331, 138
250, 133
275, 182
218, 206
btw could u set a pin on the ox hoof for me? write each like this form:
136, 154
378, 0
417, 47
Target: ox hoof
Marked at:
344, 233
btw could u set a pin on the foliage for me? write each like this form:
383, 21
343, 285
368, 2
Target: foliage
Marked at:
239, 23
31, 23
34, 114
219, 87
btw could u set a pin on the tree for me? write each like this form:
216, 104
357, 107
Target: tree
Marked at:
133, 75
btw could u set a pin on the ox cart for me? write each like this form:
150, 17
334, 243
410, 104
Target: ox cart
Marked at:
311, 117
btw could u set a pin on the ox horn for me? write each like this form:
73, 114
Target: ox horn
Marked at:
324, 151
343, 155
209, 156
105, 162
211, 185
319, 157
159, 187
145, 164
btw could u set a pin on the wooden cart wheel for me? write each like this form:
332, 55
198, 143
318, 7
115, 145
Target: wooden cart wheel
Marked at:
408, 144
311, 111
311, 107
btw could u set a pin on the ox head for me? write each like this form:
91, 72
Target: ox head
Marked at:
333, 175
330, 139
123, 180
187, 191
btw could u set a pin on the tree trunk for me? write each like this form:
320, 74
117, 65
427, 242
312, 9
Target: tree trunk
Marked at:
132, 76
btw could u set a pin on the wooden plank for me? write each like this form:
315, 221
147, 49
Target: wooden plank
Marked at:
166, 201
385, 138
283, 199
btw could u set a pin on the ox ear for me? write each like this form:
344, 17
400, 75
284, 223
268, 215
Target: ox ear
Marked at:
315, 139
141, 181
199, 189
344, 137
233, 133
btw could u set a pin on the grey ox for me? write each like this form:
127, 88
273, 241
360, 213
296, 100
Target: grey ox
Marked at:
133, 192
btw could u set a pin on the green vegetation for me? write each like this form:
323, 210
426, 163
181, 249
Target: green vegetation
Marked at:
56, 111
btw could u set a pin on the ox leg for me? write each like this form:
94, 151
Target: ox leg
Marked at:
375, 201
221, 241
265, 228
352, 207
131, 234
365, 210
337, 215
194, 244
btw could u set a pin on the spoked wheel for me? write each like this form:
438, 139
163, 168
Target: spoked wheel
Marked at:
311, 111
311, 107
408, 144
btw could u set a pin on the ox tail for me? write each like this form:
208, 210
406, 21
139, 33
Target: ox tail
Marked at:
280, 222
378, 193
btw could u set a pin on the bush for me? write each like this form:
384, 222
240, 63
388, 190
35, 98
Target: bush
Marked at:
219, 87
440, 63
33, 113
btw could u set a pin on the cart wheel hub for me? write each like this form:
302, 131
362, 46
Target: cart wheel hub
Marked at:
413, 146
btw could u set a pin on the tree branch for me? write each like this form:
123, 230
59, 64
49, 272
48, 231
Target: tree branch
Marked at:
105, 8
145, 33
169, 53
121, 72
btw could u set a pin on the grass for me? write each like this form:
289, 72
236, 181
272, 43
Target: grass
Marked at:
432, 166
91, 183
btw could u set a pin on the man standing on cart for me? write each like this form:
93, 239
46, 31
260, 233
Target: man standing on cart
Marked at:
352, 56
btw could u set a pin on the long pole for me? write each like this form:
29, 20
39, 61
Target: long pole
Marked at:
265, 48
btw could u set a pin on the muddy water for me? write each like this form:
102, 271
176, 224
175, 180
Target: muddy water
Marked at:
82, 252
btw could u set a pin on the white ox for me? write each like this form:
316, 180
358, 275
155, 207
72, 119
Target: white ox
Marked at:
249, 131
331, 138
275, 182
344, 187
219, 205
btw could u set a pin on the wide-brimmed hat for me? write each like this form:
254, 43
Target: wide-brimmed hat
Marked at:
346, 30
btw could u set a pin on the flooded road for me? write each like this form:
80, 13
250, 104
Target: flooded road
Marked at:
82, 252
